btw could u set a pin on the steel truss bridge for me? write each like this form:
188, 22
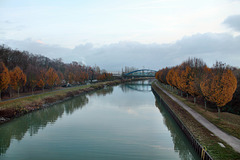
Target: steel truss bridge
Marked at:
141, 73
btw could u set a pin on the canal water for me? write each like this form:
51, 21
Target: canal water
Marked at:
121, 122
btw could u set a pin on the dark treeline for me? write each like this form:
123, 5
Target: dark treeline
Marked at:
23, 71
218, 85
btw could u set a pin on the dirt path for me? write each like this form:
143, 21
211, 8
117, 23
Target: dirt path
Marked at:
230, 140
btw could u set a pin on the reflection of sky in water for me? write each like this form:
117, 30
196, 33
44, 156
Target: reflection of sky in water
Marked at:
111, 124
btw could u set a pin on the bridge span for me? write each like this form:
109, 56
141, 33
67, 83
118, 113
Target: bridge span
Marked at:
140, 73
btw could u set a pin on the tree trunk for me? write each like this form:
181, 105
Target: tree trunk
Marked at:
32, 91
181, 93
187, 95
0, 95
18, 91
43, 89
205, 104
10, 92
195, 99
219, 112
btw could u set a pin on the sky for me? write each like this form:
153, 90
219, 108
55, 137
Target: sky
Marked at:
113, 34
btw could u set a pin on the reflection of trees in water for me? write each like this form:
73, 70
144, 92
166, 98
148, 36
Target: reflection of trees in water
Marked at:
181, 144
76, 103
141, 86
32, 122
102, 92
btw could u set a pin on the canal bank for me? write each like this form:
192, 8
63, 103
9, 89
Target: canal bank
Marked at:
18, 107
204, 141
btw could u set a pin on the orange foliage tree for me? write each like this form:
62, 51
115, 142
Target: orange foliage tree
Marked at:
41, 84
219, 88
104, 76
71, 77
4, 78
194, 86
196, 76
83, 77
158, 75
33, 84
183, 80
161, 75
42, 79
173, 77
18, 79
52, 77
176, 76
169, 77
61, 78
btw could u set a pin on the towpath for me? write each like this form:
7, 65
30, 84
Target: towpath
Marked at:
230, 140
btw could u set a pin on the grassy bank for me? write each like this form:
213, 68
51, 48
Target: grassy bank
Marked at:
204, 136
18, 107
228, 122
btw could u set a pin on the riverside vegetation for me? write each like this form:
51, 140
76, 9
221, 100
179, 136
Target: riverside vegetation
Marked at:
207, 91
200, 133
218, 86
23, 72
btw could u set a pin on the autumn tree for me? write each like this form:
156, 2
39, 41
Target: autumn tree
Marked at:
196, 76
80, 76
161, 75
61, 78
183, 81
83, 77
169, 77
32, 72
71, 77
218, 87
4, 78
52, 77
42, 79
173, 77
101, 77
234, 104
104, 76
33, 84
205, 84
18, 79
41, 84
157, 75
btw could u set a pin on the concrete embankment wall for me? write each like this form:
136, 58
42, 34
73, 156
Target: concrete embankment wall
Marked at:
196, 145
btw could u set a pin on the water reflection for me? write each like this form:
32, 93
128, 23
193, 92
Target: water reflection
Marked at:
181, 144
140, 86
103, 92
32, 122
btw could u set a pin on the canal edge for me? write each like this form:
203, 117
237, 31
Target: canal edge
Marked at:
57, 99
200, 150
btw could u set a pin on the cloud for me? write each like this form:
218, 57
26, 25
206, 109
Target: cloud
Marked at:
39, 41
8, 22
113, 57
36, 47
233, 22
